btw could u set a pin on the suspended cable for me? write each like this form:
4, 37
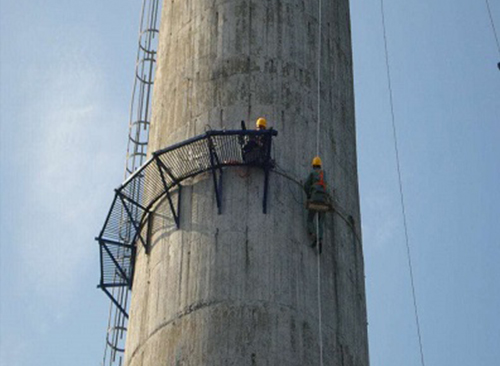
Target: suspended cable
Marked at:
320, 321
318, 239
336, 207
398, 165
318, 124
493, 28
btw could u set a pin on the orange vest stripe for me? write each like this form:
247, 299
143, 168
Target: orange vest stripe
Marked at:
321, 181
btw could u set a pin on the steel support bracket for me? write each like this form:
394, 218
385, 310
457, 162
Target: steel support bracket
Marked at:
268, 165
118, 305
175, 213
132, 220
121, 272
215, 163
266, 184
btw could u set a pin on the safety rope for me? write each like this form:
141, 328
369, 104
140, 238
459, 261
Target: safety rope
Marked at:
337, 209
318, 122
318, 240
398, 165
493, 26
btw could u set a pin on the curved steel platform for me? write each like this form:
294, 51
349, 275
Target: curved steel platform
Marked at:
162, 174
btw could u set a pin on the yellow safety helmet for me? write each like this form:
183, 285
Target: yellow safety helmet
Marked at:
261, 122
316, 161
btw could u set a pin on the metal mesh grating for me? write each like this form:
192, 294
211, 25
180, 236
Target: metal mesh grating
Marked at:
161, 177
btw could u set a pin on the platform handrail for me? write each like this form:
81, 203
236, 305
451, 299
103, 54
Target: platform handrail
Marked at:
163, 173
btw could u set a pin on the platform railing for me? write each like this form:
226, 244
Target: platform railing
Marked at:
159, 178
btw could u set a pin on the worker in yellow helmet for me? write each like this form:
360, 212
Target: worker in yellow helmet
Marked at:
254, 149
261, 123
316, 193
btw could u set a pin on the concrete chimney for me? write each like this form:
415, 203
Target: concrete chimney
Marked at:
241, 287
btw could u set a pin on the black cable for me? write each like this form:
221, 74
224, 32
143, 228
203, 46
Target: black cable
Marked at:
398, 165
336, 207
493, 28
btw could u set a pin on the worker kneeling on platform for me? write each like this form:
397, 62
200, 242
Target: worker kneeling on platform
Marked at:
254, 150
318, 202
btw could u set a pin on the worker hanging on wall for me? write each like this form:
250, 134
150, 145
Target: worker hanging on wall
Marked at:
255, 147
318, 203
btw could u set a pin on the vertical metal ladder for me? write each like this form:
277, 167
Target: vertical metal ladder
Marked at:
140, 117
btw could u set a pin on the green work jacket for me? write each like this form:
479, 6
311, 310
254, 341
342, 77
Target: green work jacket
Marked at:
315, 186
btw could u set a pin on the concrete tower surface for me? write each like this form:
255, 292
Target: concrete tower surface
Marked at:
241, 287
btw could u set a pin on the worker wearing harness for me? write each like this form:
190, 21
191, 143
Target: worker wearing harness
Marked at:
315, 188
254, 149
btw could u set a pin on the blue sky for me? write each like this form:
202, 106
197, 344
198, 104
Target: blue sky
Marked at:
66, 76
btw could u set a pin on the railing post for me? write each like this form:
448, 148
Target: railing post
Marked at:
132, 220
217, 184
176, 216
